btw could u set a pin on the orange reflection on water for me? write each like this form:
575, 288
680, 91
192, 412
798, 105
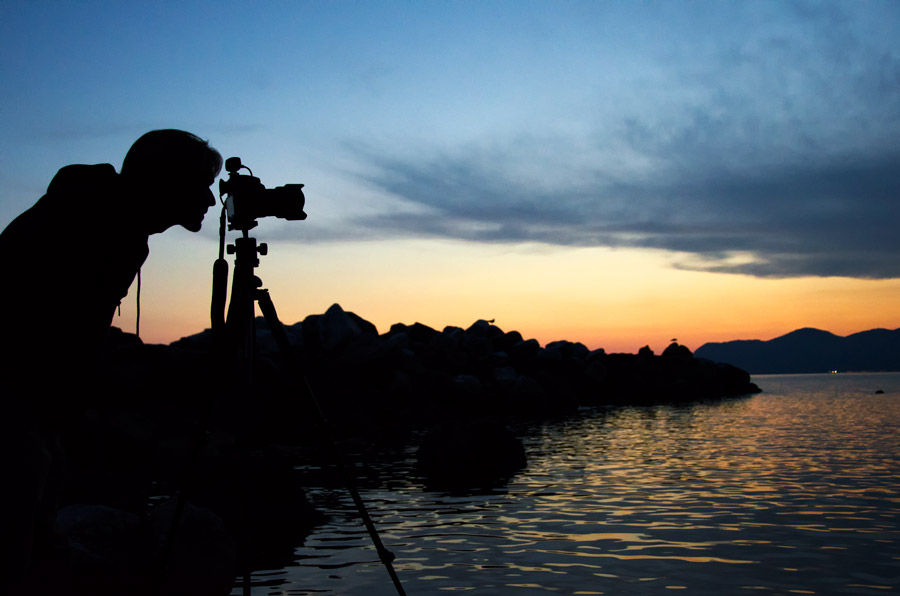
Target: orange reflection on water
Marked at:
782, 492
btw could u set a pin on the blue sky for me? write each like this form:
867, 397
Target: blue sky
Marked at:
744, 138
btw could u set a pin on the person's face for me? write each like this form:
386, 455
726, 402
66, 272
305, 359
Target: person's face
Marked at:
181, 201
192, 201
172, 200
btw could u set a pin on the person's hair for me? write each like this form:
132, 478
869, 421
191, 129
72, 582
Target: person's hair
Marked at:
173, 152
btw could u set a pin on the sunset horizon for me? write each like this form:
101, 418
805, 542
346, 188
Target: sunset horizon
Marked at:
725, 310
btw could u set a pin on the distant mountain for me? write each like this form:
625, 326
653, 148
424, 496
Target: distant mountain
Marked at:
810, 350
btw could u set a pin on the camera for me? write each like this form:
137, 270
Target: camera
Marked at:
246, 199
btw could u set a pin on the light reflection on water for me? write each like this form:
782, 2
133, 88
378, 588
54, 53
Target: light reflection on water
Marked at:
796, 490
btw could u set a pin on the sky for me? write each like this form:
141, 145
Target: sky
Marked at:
616, 173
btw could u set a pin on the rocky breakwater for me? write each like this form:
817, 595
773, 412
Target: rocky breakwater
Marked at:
414, 376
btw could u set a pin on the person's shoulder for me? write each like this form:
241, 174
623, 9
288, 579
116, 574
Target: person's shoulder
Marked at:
83, 178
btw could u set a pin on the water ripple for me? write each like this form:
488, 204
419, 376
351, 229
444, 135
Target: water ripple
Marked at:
794, 491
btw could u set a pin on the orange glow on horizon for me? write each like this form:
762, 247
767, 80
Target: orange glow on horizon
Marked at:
619, 300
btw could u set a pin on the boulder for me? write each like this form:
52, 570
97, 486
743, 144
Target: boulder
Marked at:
528, 397
334, 329
115, 552
110, 549
469, 455
523, 350
676, 351
201, 558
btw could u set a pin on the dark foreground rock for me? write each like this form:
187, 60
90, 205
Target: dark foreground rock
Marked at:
480, 454
110, 551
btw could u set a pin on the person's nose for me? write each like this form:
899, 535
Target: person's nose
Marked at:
212, 199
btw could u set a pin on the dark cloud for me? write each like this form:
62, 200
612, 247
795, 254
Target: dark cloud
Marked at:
835, 217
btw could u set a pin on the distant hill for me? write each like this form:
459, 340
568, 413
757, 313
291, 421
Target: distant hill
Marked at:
810, 350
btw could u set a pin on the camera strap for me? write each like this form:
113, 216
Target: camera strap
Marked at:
137, 315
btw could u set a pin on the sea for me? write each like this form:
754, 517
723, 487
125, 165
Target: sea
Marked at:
795, 490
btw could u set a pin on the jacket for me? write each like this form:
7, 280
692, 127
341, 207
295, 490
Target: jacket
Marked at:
66, 262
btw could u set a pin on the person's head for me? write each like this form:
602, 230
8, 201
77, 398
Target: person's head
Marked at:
172, 170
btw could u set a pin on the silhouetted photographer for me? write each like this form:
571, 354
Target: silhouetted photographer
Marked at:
67, 262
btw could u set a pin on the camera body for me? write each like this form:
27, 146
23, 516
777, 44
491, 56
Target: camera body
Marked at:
247, 199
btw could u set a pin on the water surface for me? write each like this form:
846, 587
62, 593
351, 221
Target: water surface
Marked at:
793, 491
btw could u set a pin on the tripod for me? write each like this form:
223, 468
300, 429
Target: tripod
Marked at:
238, 334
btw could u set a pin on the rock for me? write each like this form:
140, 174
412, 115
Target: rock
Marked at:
103, 533
482, 328
469, 455
201, 559
418, 333
114, 552
524, 350
678, 352
265, 341
568, 349
479, 338
508, 340
505, 375
336, 328
259, 490
111, 550
529, 397
397, 338
469, 390
455, 334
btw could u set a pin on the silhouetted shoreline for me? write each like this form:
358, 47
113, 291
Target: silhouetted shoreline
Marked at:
414, 375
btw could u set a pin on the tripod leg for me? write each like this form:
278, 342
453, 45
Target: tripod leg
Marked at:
268, 309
